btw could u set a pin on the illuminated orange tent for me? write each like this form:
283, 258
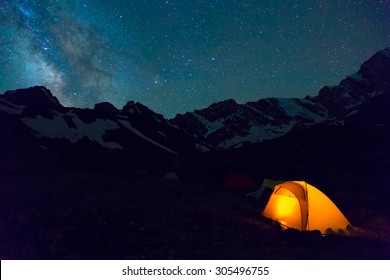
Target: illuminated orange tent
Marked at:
296, 204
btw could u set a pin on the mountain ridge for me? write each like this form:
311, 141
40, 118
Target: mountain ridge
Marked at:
228, 124
222, 125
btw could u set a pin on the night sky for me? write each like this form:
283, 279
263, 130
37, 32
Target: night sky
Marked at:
179, 55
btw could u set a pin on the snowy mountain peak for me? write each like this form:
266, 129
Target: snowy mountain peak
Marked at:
132, 107
37, 97
374, 73
141, 113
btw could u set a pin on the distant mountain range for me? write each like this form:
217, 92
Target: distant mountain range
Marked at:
34, 123
42, 120
228, 124
36, 130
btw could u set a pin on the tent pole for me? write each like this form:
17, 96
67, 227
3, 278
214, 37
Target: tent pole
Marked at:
307, 213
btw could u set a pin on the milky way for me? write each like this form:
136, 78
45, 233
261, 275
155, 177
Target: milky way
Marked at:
176, 56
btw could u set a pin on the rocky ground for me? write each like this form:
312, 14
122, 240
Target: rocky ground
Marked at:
101, 216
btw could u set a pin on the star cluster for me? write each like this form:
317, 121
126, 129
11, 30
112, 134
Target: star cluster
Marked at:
176, 56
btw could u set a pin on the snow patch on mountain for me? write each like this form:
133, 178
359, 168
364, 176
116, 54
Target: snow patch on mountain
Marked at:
128, 125
202, 147
11, 108
173, 125
293, 109
354, 112
96, 130
211, 126
162, 134
57, 127
157, 120
271, 118
259, 133
51, 128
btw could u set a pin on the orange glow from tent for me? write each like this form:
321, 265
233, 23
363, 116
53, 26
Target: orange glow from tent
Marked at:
285, 210
286, 205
